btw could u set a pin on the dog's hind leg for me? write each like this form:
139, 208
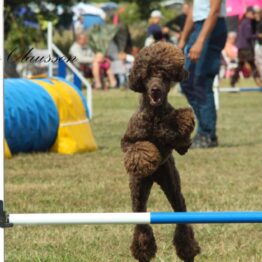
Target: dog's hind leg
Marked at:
143, 247
168, 178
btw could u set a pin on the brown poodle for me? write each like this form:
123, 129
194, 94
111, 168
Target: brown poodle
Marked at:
153, 132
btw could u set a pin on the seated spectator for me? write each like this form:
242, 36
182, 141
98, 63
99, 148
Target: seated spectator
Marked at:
121, 63
229, 54
155, 32
92, 65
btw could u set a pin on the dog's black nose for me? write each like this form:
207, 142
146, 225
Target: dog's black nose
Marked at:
156, 92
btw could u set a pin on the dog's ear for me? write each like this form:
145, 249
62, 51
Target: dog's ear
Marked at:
183, 75
136, 83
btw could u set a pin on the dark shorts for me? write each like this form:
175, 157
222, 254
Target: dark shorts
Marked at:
87, 68
245, 55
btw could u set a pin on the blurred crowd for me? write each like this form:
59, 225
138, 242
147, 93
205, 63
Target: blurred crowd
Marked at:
241, 56
110, 68
105, 55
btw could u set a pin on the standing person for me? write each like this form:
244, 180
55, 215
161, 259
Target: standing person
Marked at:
154, 30
203, 37
245, 45
154, 23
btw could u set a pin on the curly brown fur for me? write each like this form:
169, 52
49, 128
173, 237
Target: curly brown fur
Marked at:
158, 58
142, 158
143, 246
154, 130
186, 245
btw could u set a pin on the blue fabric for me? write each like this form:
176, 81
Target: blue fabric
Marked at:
198, 88
91, 20
77, 82
154, 28
31, 117
61, 68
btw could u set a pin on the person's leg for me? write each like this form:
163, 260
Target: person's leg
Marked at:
111, 77
211, 62
188, 86
244, 56
96, 74
235, 77
207, 111
255, 73
206, 68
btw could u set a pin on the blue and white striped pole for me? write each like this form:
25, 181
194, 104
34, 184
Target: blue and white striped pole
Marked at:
136, 218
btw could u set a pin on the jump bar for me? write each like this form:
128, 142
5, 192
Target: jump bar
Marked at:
135, 218
206, 217
240, 89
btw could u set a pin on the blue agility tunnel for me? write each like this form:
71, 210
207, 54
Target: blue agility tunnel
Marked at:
46, 114
31, 116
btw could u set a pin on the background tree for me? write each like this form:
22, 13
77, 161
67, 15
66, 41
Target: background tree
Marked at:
26, 22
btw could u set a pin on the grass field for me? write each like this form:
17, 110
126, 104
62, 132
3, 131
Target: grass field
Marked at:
225, 178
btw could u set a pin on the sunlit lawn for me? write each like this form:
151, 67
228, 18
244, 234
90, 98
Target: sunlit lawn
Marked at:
225, 178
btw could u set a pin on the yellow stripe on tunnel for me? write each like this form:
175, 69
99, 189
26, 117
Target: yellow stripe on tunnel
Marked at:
74, 132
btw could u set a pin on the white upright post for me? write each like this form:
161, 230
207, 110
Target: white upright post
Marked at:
50, 49
2, 243
216, 92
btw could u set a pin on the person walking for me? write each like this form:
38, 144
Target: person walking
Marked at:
203, 39
246, 50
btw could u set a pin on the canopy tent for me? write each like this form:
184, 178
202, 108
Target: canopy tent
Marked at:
238, 7
87, 9
91, 20
90, 14
108, 6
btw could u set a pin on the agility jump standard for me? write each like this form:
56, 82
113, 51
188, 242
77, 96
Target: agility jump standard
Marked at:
131, 218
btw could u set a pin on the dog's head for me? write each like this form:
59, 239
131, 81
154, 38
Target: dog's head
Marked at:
155, 68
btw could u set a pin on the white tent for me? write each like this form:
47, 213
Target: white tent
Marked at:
83, 9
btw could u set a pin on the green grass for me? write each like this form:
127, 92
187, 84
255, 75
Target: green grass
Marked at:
225, 178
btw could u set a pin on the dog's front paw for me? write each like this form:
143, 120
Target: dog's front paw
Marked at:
183, 149
185, 121
142, 159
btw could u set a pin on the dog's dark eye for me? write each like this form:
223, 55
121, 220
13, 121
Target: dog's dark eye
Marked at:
167, 78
